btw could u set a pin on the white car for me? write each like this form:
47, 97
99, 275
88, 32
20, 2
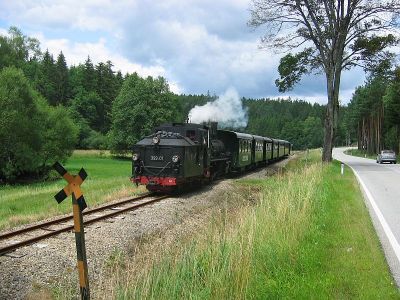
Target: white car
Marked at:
386, 156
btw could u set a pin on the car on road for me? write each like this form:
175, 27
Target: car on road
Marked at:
386, 156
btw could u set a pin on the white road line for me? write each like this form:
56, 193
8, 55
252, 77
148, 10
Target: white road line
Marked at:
389, 234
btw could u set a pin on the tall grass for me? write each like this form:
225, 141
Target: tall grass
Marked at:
309, 236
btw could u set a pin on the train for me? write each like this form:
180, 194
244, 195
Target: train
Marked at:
179, 155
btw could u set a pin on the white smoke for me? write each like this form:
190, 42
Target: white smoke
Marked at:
227, 110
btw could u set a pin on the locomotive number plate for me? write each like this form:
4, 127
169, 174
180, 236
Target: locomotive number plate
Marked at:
157, 157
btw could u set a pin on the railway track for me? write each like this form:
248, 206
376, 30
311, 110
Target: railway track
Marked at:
43, 230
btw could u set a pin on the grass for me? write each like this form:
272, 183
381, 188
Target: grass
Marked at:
308, 236
108, 179
360, 153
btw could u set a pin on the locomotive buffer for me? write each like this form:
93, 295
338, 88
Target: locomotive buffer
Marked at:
78, 205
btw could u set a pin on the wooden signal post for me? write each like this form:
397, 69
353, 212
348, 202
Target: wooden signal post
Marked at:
78, 205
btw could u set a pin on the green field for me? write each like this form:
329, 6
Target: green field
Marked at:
308, 237
108, 179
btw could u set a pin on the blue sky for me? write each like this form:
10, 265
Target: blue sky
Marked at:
198, 45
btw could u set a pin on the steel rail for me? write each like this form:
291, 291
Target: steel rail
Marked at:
9, 234
15, 246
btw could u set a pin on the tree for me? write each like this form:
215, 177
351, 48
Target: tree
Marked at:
76, 80
47, 79
141, 105
392, 112
313, 134
33, 135
90, 107
332, 36
89, 76
107, 87
61, 80
16, 49
19, 137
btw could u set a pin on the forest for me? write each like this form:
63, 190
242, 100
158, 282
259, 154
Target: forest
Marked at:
48, 109
373, 115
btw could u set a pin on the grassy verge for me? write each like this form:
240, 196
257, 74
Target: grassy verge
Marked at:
360, 153
308, 236
108, 179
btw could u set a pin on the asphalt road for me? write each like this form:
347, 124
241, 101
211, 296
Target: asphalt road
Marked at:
381, 186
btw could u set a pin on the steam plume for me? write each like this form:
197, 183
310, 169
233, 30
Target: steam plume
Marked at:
227, 110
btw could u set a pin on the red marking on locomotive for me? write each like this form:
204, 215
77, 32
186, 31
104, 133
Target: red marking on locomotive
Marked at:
150, 180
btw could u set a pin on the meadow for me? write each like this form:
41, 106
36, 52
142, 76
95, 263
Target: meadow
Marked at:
308, 236
108, 179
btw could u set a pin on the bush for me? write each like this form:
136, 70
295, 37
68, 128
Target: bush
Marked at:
33, 135
87, 137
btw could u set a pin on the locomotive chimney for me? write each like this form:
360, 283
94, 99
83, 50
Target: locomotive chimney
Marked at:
213, 129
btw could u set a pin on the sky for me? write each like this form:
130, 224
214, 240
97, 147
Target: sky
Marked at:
199, 46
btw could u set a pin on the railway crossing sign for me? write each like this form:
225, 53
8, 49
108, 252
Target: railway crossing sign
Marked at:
74, 185
78, 203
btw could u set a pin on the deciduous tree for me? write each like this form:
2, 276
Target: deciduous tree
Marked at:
332, 36
33, 135
141, 105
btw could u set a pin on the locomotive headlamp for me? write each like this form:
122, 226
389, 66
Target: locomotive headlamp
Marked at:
156, 139
135, 157
175, 158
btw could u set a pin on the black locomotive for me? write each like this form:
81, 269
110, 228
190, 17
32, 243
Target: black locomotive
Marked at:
181, 154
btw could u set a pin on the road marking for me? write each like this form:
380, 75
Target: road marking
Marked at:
389, 234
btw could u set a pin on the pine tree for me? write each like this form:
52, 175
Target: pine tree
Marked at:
89, 76
107, 88
62, 79
47, 83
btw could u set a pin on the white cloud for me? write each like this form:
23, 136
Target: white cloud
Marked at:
76, 53
75, 14
198, 45
3, 31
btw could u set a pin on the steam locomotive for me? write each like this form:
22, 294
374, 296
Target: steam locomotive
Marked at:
178, 155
